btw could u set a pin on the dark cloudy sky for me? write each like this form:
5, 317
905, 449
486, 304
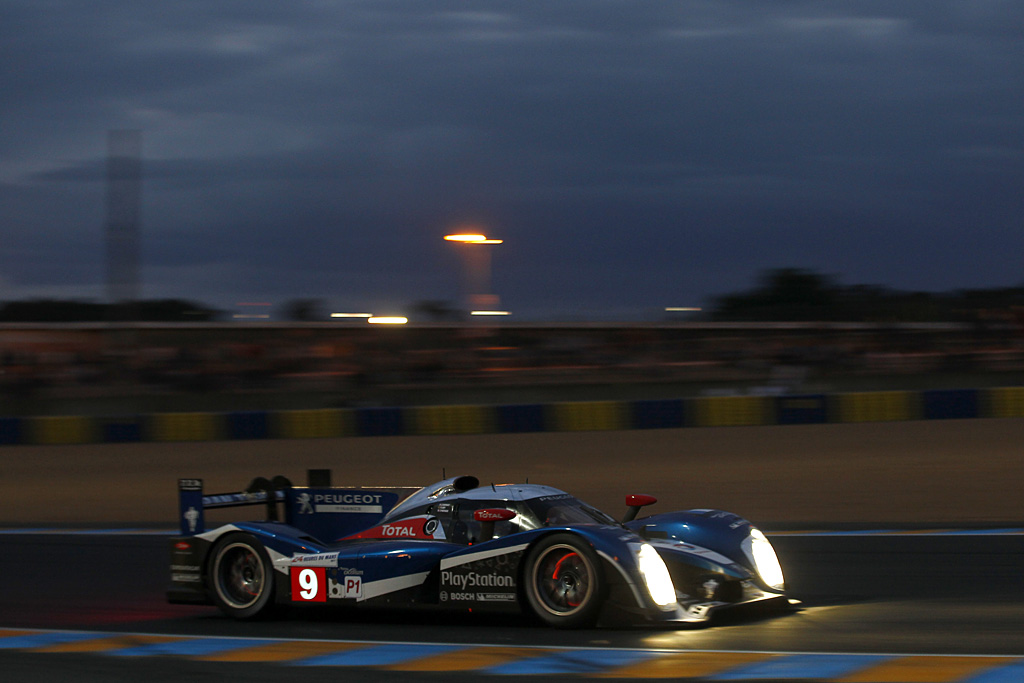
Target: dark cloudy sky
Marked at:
633, 155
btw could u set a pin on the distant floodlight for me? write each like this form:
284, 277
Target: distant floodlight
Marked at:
351, 315
489, 313
387, 320
472, 238
683, 309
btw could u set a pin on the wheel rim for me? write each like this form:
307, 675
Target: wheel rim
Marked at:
563, 580
240, 575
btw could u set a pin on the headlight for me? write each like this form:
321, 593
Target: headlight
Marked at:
655, 573
761, 554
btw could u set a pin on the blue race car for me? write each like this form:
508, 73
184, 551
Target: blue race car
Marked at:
458, 545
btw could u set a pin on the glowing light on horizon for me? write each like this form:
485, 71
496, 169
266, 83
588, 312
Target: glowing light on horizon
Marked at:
489, 313
351, 315
387, 320
472, 238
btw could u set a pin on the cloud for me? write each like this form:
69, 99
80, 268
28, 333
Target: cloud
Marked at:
329, 144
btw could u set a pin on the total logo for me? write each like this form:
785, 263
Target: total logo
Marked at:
393, 530
421, 527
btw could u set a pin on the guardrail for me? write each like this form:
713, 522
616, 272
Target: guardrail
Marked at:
715, 411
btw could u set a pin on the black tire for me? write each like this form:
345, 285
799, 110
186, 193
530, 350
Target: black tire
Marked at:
240, 577
563, 582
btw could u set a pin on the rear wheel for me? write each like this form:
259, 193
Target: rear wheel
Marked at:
563, 582
241, 578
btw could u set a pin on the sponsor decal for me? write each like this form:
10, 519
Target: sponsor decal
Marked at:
229, 498
347, 498
493, 515
421, 527
191, 518
309, 584
361, 503
350, 586
736, 522
481, 577
316, 560
185, 578
361, 509
464, 596
461, 581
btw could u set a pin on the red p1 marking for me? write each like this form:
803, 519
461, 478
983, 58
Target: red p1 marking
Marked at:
309, 584
353, 587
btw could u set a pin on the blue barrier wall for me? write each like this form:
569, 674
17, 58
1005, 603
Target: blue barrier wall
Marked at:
719, 411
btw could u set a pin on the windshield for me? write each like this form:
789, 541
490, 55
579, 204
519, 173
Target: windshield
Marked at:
564, 510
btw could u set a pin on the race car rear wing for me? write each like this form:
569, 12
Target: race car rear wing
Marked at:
319, 509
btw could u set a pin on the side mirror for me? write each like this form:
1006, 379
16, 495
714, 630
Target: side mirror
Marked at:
634, 503
487, 517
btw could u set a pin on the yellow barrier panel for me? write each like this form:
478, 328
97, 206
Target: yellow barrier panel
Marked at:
879, 406
62, 430
452, 420
186, 427
733, 411
1006, 402
589, 416
324, 423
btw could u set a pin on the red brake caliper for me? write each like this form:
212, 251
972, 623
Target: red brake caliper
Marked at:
558, 568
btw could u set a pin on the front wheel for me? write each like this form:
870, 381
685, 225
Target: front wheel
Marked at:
564, 585
241, 578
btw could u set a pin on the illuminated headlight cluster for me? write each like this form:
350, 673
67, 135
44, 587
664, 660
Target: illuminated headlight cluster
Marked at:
655, 573
761, 554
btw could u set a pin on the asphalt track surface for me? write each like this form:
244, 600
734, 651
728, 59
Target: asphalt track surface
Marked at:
955, 603
864, 596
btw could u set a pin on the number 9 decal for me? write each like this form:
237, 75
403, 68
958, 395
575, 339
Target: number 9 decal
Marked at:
309, 584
